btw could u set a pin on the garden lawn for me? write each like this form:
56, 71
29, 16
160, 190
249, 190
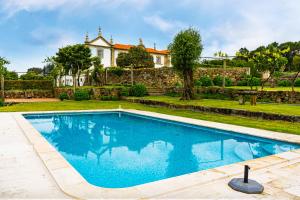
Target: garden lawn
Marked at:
285, 109
297, 89
280, 126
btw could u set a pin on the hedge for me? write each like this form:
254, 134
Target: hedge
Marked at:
28, 85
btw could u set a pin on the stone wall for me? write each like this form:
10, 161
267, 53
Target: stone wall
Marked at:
96, 93
225, 111
269, 96
15, 94
166, 77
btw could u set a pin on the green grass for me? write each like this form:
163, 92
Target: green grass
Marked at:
297, 89
280, 126
286, 109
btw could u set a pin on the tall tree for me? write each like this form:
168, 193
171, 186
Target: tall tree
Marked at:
97, 73
185, 51
75, 59
56, 70
3, 62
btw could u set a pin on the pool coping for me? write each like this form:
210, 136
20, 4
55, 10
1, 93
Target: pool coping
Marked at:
74, 185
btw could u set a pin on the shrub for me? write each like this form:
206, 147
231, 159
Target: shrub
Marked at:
297, 83
125, 92
115, 98
63, 96
80, 95
118, 71
106, 98
284, 83
28, 85
204, 81
1, 102
218, 80
254, 82
138, 90
228, 82
243, 82
173, 94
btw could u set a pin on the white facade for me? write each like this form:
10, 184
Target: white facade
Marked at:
108, 52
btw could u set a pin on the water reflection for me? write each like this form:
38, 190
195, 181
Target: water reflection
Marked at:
110, 150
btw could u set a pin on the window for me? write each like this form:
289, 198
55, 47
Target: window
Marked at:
158, 60
100, 53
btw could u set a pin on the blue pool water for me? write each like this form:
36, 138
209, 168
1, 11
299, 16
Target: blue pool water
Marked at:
118, 149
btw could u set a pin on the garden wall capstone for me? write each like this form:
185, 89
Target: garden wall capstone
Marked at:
225, 111
15, 94
267, 96
167, 77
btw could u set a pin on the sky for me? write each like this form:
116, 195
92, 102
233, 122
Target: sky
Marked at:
31, 30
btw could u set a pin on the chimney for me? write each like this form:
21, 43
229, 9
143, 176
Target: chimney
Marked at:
154, 46
111, 40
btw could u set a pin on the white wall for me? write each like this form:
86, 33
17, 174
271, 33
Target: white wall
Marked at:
106, 55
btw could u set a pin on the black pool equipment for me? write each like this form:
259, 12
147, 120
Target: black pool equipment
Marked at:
246, 185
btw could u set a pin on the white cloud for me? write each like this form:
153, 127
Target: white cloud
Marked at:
11, 7
255, 23
164, 25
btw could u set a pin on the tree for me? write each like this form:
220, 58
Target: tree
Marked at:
36, 70
3, 62
269, 60
56, 69
97, 73
123, 60
31, 75
224, 58
139, 57
74, 59
294, 48
296, 67
185, 51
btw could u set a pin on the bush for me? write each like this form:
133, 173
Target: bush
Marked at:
138, 90
218, 80
80, 95
243, 82
117, 70
28, 85
228, 82
63, 96
125, 92
1, 102
204, 81
109, 98
284, 83
254, 82
297, 83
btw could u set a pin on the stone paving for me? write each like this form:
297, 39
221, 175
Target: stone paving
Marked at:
22, 173
25, 167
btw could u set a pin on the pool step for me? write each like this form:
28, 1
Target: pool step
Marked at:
243, 152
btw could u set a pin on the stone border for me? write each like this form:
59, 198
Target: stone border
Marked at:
74, 185
224, 111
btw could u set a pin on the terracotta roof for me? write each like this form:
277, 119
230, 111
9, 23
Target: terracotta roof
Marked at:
150, 50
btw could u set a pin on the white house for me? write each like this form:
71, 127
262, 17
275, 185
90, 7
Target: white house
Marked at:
108, 51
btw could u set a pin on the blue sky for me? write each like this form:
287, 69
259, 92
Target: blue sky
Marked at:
31, 30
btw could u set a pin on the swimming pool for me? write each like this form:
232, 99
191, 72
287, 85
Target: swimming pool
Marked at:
120, 149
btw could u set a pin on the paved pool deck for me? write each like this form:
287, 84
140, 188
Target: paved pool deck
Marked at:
31, 168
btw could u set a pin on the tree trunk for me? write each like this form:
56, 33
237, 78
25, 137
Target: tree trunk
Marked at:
131, 75
78, 79
2, 86
293, 82
188, 92
74, 82
224, 73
